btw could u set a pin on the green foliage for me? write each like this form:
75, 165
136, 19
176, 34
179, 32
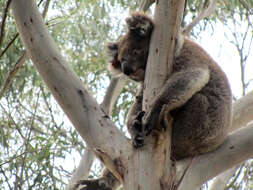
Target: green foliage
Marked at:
37, 142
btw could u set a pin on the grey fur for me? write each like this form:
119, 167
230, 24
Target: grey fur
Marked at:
197, 93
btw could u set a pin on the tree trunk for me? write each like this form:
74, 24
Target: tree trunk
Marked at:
149, 168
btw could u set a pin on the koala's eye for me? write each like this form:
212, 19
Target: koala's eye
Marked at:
136, 52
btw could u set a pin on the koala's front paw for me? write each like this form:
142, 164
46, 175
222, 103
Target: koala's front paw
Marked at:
143, 125
149, 122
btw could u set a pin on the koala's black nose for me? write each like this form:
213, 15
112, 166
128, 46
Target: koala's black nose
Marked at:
126, 68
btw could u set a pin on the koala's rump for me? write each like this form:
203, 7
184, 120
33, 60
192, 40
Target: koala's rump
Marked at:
201, 125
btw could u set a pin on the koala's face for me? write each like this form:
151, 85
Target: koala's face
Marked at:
130, 54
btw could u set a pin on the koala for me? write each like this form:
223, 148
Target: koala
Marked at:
197, 93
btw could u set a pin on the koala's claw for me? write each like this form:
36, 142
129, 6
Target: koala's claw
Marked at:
138, 141
140, 115
149, 122
91, 185
147, 130
137, 126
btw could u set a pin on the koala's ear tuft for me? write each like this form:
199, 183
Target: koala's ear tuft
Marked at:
140, 24
112, 48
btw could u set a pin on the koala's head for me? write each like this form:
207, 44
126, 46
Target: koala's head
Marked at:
130, 53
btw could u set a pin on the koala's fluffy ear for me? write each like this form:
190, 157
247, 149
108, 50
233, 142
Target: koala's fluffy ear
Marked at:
114, 64
140, 24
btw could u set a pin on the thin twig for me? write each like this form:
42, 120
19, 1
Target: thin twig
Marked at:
27, 143
246, 6
2, 32
21, 60
13, 72
46, 9
9, 44
5, 176
13, 158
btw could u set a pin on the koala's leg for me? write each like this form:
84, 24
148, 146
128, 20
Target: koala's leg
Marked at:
190, 127
199, 126
134, 118
106, 182
135, 109
177, 90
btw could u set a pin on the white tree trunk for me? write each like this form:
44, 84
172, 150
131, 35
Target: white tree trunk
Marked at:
150, 166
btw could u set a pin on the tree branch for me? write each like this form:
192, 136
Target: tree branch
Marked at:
13, 73
237, 148
242, 111
8, 45
44, 13
145, 4
88, 118
110, 98
112, 93
83, 168
208, 7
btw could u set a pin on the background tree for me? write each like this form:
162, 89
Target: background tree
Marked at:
35, 135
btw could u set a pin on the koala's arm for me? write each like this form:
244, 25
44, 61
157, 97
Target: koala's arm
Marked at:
177, 90
135, 109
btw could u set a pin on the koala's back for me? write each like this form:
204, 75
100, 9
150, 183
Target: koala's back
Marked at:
201, 125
